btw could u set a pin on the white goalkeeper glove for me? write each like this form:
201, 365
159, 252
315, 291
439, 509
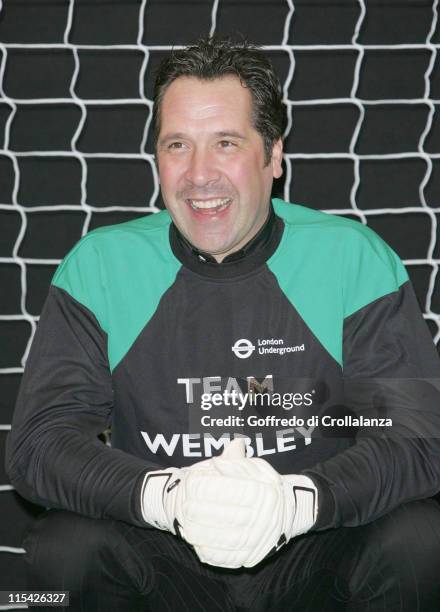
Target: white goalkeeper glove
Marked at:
233, 510
239, 510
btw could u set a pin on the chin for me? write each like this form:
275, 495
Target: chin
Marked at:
207, 248
211, 246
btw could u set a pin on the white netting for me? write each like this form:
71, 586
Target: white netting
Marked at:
83, 158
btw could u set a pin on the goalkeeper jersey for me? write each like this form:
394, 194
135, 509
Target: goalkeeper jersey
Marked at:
310, 344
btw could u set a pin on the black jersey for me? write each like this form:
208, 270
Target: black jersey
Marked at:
311, 346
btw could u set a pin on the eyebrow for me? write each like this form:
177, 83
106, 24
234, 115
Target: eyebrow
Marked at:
222, 134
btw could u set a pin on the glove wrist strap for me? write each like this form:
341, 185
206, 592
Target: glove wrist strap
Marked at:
305, 496
152, 498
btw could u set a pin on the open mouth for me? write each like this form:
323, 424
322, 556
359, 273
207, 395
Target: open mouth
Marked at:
210, 206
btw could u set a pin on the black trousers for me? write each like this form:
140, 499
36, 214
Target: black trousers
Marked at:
389, 565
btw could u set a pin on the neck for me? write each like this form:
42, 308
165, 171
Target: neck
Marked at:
257, 250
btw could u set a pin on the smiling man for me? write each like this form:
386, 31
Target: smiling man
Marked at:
219, 338
215, 178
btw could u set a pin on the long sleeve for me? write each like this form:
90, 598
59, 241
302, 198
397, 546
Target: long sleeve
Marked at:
391, 370
54, 457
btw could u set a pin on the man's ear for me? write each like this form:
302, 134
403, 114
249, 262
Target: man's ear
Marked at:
277, 158
156, 165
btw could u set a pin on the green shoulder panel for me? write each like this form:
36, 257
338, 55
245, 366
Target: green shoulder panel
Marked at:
329, 267
102, 272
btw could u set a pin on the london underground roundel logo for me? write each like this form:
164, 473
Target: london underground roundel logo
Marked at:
243, 348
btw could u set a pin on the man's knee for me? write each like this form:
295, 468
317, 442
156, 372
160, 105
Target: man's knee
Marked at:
64, 548
410, 536
398, 559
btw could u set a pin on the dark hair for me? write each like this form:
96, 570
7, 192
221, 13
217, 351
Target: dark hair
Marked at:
212, 58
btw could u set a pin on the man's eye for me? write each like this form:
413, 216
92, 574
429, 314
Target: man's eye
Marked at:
226, 144
175, 145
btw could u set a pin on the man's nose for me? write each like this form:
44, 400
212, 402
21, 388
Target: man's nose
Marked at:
201, 168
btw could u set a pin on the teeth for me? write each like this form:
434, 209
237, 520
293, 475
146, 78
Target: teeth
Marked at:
197, 204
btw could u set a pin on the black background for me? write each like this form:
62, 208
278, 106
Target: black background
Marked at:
44, 100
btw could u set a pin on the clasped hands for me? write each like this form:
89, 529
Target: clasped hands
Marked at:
233, 510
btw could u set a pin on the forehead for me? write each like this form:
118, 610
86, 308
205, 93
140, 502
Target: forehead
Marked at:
193, 101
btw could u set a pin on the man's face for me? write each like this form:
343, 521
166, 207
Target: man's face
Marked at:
211, 164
